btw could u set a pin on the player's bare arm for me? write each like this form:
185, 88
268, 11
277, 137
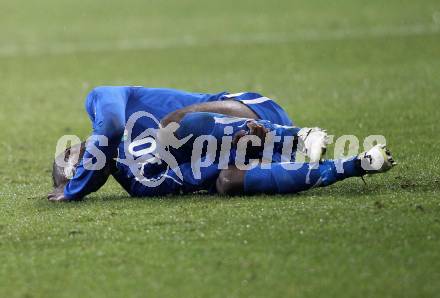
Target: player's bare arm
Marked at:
226, 107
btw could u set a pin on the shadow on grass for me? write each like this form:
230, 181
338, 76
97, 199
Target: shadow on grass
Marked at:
116, 199
348, 189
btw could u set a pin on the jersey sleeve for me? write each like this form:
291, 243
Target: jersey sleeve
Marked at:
106, 107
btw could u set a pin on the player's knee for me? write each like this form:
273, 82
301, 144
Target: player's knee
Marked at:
230, 181
111, 119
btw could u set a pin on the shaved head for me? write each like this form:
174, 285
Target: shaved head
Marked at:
64, 165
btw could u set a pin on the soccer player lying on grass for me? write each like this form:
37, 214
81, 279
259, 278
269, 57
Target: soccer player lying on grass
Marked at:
148, 137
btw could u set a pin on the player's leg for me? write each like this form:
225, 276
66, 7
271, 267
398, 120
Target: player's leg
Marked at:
311, 141
304, 176
278, 179
218, 125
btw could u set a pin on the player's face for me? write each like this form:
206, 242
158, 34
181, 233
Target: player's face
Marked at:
65, 165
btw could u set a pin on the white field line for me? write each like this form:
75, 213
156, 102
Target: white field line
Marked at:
59, 48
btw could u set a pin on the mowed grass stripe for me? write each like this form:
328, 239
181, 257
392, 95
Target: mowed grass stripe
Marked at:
59, 48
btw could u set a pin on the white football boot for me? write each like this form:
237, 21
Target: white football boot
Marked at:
377, 160
313, 142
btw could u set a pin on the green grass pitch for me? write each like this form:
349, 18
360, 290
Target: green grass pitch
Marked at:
352, 67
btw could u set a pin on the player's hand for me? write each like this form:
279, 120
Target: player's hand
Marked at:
254, 129
257, 130
57, 195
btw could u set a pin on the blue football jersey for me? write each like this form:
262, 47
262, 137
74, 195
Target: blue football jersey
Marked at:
129, 117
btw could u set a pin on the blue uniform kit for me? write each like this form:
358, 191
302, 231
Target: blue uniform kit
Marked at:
129, 119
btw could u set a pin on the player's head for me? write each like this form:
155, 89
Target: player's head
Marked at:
64, 165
